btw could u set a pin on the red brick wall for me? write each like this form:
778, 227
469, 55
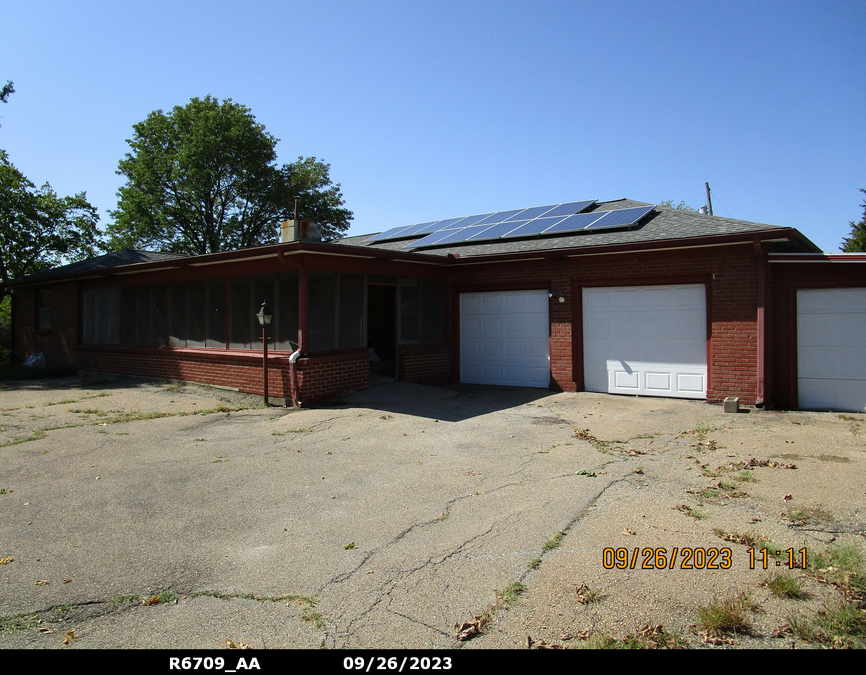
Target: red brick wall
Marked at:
320, 378
424, 364
732, 308
57, 342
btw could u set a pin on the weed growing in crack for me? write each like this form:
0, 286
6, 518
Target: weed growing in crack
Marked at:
783, 585
746, 539
730, 615
691, 512
554, 542
507, 596
839, 625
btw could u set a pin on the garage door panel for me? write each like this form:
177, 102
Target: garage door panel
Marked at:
515, 349
831, 362
646, 340
470, 325
491, 303
595, 300
820, 394
658, 382
513, 330
470, 349
831, 338
469, 304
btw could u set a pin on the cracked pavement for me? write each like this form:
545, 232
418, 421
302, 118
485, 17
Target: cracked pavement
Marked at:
381, 521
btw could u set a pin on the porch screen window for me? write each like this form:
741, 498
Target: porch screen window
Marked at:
286, 318
322, 311
241, 313
196, 313
177, 315
101, 316
216, 313
420, 310
143, 315
353, 290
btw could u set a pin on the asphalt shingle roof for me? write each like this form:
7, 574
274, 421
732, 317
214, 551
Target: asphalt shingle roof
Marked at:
128, 256
661, 224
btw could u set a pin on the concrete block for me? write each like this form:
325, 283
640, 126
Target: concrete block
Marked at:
732, 404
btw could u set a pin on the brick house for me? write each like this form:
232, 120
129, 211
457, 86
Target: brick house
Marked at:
619, 297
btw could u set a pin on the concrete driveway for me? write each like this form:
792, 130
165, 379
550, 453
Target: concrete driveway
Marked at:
148, 515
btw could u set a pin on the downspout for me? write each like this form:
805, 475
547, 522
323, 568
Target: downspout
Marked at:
762, 314
303, 312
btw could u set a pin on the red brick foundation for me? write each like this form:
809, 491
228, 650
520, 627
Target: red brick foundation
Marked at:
424, 364
320, 378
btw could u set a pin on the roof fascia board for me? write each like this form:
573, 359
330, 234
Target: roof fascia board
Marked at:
738, 238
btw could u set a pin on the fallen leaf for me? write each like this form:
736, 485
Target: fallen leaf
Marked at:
628, 531
152, 600
349, 546
469, 629
231, 644
46, 630
41, 582
787, 498
69, 638
6, 561
541, 644
67, 581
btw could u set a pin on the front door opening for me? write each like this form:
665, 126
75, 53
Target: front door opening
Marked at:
382, 330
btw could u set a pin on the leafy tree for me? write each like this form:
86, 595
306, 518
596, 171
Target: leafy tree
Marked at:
203, 178
857, 241
682, 206
39, 229
8, 88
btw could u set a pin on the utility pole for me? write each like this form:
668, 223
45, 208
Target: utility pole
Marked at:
709, 200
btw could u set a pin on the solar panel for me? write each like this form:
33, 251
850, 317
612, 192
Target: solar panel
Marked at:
536, 226
533, 221
407, 231
498, 230
620, 218
577, 222
569, 208
499, 216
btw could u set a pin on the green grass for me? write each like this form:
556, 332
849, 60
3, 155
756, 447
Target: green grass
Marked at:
512, 591
314, 618
649, 637
729, 615
784, 585
805, 515
722, 490
291, 431
691, 512
534, 564
554, 542
838, 624
749, 539
34, 436
842, 566
18, 622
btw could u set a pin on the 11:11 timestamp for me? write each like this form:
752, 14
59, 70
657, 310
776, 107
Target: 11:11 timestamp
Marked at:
761, 557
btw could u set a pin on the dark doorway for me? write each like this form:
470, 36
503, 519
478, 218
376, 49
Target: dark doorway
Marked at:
382, 329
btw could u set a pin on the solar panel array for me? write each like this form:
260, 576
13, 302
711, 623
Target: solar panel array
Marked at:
534, 221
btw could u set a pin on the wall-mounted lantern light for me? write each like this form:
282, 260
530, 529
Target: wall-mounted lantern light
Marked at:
558, 295
264, 316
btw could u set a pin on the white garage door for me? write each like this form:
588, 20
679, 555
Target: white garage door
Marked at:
831, 343
504, 338
647, 340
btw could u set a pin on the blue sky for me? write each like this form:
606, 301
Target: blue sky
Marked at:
429, 110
